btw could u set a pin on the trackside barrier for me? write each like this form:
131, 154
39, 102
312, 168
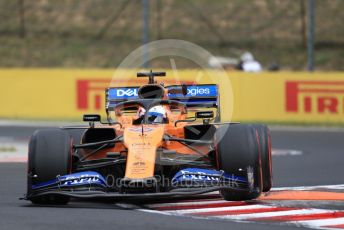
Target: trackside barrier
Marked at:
269, 97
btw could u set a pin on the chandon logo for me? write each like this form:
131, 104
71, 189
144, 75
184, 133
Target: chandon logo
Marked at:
126, 92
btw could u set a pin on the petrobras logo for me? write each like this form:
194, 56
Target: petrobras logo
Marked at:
126, 92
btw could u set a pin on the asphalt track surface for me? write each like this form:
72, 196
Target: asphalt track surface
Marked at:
320, 164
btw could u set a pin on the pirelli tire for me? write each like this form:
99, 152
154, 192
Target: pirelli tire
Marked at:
237, 149
265, 151
50, 155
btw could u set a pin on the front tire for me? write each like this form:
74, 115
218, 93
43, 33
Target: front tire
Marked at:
237, 152
49, 156
265, 151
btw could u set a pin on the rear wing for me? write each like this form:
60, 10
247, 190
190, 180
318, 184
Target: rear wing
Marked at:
198, 96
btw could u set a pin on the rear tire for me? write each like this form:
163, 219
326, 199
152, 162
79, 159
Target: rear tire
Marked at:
238, 151
265, 151
49, 157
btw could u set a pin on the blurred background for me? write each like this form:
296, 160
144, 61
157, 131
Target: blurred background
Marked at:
89, 33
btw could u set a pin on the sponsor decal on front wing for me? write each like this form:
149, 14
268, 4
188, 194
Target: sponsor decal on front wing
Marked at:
75, 179
196, 176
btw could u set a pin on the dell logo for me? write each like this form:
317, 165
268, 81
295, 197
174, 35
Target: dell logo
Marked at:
126, 92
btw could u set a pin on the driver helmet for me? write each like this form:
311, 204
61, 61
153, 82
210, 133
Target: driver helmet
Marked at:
157, 114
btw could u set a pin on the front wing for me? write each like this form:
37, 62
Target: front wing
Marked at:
187, 182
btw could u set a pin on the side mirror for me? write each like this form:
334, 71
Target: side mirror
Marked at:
184, 89
91, 118
179, 89
204, 114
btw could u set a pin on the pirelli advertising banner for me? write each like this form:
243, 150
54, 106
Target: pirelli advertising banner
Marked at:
66, 94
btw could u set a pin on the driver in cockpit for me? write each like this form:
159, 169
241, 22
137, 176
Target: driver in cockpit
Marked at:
156, 115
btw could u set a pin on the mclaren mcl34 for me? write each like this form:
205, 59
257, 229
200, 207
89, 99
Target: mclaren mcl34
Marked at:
158, 141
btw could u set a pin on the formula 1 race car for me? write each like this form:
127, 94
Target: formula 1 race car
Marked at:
159, 141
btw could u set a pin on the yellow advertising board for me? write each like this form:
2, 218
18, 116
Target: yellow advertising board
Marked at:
275, 96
